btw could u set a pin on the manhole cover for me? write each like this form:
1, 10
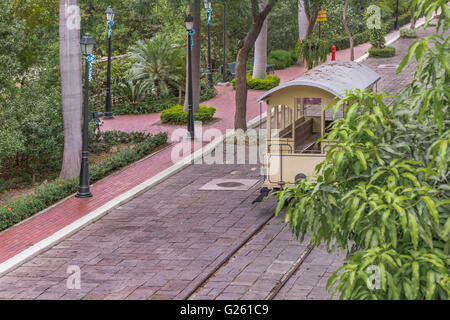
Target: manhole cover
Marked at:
388, 66
230, 184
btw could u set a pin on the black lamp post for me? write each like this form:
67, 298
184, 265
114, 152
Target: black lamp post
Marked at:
208, 10
224, 69
108, 107
190, 30
87, 48
396, 18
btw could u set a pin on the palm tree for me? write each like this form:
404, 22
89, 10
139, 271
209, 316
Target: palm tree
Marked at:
70, 69
158, 63
303, 20
259, 67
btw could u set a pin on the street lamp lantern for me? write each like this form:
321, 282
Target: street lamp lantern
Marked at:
189, 23
87, 44
207, 4
109, 14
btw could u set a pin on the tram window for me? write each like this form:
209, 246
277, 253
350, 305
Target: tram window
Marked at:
313, 107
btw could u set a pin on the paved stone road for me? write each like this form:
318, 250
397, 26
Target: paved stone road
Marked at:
157, 246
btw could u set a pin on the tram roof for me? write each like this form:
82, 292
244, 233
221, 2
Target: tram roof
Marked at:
334, 77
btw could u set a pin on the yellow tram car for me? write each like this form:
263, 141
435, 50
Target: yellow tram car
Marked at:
297, 117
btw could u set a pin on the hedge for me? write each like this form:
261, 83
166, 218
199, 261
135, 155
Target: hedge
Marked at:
385, 52
14, 211
177, 115
281, 59
260, 84
408, 33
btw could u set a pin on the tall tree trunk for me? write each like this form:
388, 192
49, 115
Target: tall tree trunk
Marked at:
194, 8
244, 47
70, 69
312, 16
260, 63
303, 20
347, 30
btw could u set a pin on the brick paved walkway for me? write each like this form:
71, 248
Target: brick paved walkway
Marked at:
157, 246
164, 243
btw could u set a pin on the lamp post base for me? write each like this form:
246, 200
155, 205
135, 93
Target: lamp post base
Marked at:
108, 117
189, 138
83, 195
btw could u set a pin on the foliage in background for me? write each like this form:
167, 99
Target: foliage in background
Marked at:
313, 51
281, 59
177, 115
159, 63
12, 35
283, 26
382, 193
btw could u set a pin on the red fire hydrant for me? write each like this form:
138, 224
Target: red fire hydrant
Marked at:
333, 53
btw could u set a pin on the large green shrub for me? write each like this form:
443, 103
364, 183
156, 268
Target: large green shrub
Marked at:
281, 59
260, 84
177, 115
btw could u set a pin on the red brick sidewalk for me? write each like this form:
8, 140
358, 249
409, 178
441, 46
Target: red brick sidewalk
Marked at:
16, 239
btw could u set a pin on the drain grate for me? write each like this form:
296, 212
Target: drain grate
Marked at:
388, 66
229, 184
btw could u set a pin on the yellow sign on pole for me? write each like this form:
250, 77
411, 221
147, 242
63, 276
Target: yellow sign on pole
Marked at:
322, 16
